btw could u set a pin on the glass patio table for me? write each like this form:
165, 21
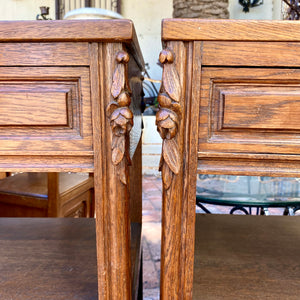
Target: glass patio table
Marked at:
243, 193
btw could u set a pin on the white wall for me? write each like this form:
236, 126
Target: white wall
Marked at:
147, 16
262, 12
24, 9
277, 13
269, 10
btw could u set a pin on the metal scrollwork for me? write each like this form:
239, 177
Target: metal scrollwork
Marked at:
120, 116
168, 117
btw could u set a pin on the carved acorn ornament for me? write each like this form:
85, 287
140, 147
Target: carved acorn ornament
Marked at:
168, 118
120, 115
166, 56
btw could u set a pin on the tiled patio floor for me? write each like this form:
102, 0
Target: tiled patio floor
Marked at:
152, 233
151, 236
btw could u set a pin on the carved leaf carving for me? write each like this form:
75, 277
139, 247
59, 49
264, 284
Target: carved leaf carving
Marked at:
120, 116
171, 82
122, 172
168, 118
118, 81
127, 155
167, 176
118, 149
111, 108
171, 155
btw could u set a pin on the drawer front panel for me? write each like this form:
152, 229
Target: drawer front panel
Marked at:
215, 53
249, 111
33, 108
44, 54
45, 110
258, 107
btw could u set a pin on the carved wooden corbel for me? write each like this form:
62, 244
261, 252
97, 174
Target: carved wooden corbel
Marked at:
120, 116
168, 118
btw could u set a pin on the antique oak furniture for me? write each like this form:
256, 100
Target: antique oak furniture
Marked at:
40, 194
69, 102
229, 104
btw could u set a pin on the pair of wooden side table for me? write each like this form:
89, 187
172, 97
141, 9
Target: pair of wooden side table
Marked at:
70, 96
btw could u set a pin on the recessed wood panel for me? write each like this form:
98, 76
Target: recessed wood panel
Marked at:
39, 102
31, 108
261, 109
249, 111
45, 108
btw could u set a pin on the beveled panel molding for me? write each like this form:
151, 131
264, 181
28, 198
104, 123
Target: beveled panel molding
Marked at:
39, 104
25, 109
255, 106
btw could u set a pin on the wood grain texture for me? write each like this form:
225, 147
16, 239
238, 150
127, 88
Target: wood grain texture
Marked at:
246, 257
40, 102
230, 30
262, 111
84, 142
67, 30
177, 213
266, 124
135, 186
53, 193
46, 195
235, 164
58, 162
120, 115
25, 108
116, 199
112, 195
171, 209
76, 135
258, 54
241, 107
189, 169
168, 118
53, 258
254, 105
72, 31
43, 54
99, 158
135, 50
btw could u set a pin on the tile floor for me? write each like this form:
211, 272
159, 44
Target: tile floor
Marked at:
151, 236
152, 191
